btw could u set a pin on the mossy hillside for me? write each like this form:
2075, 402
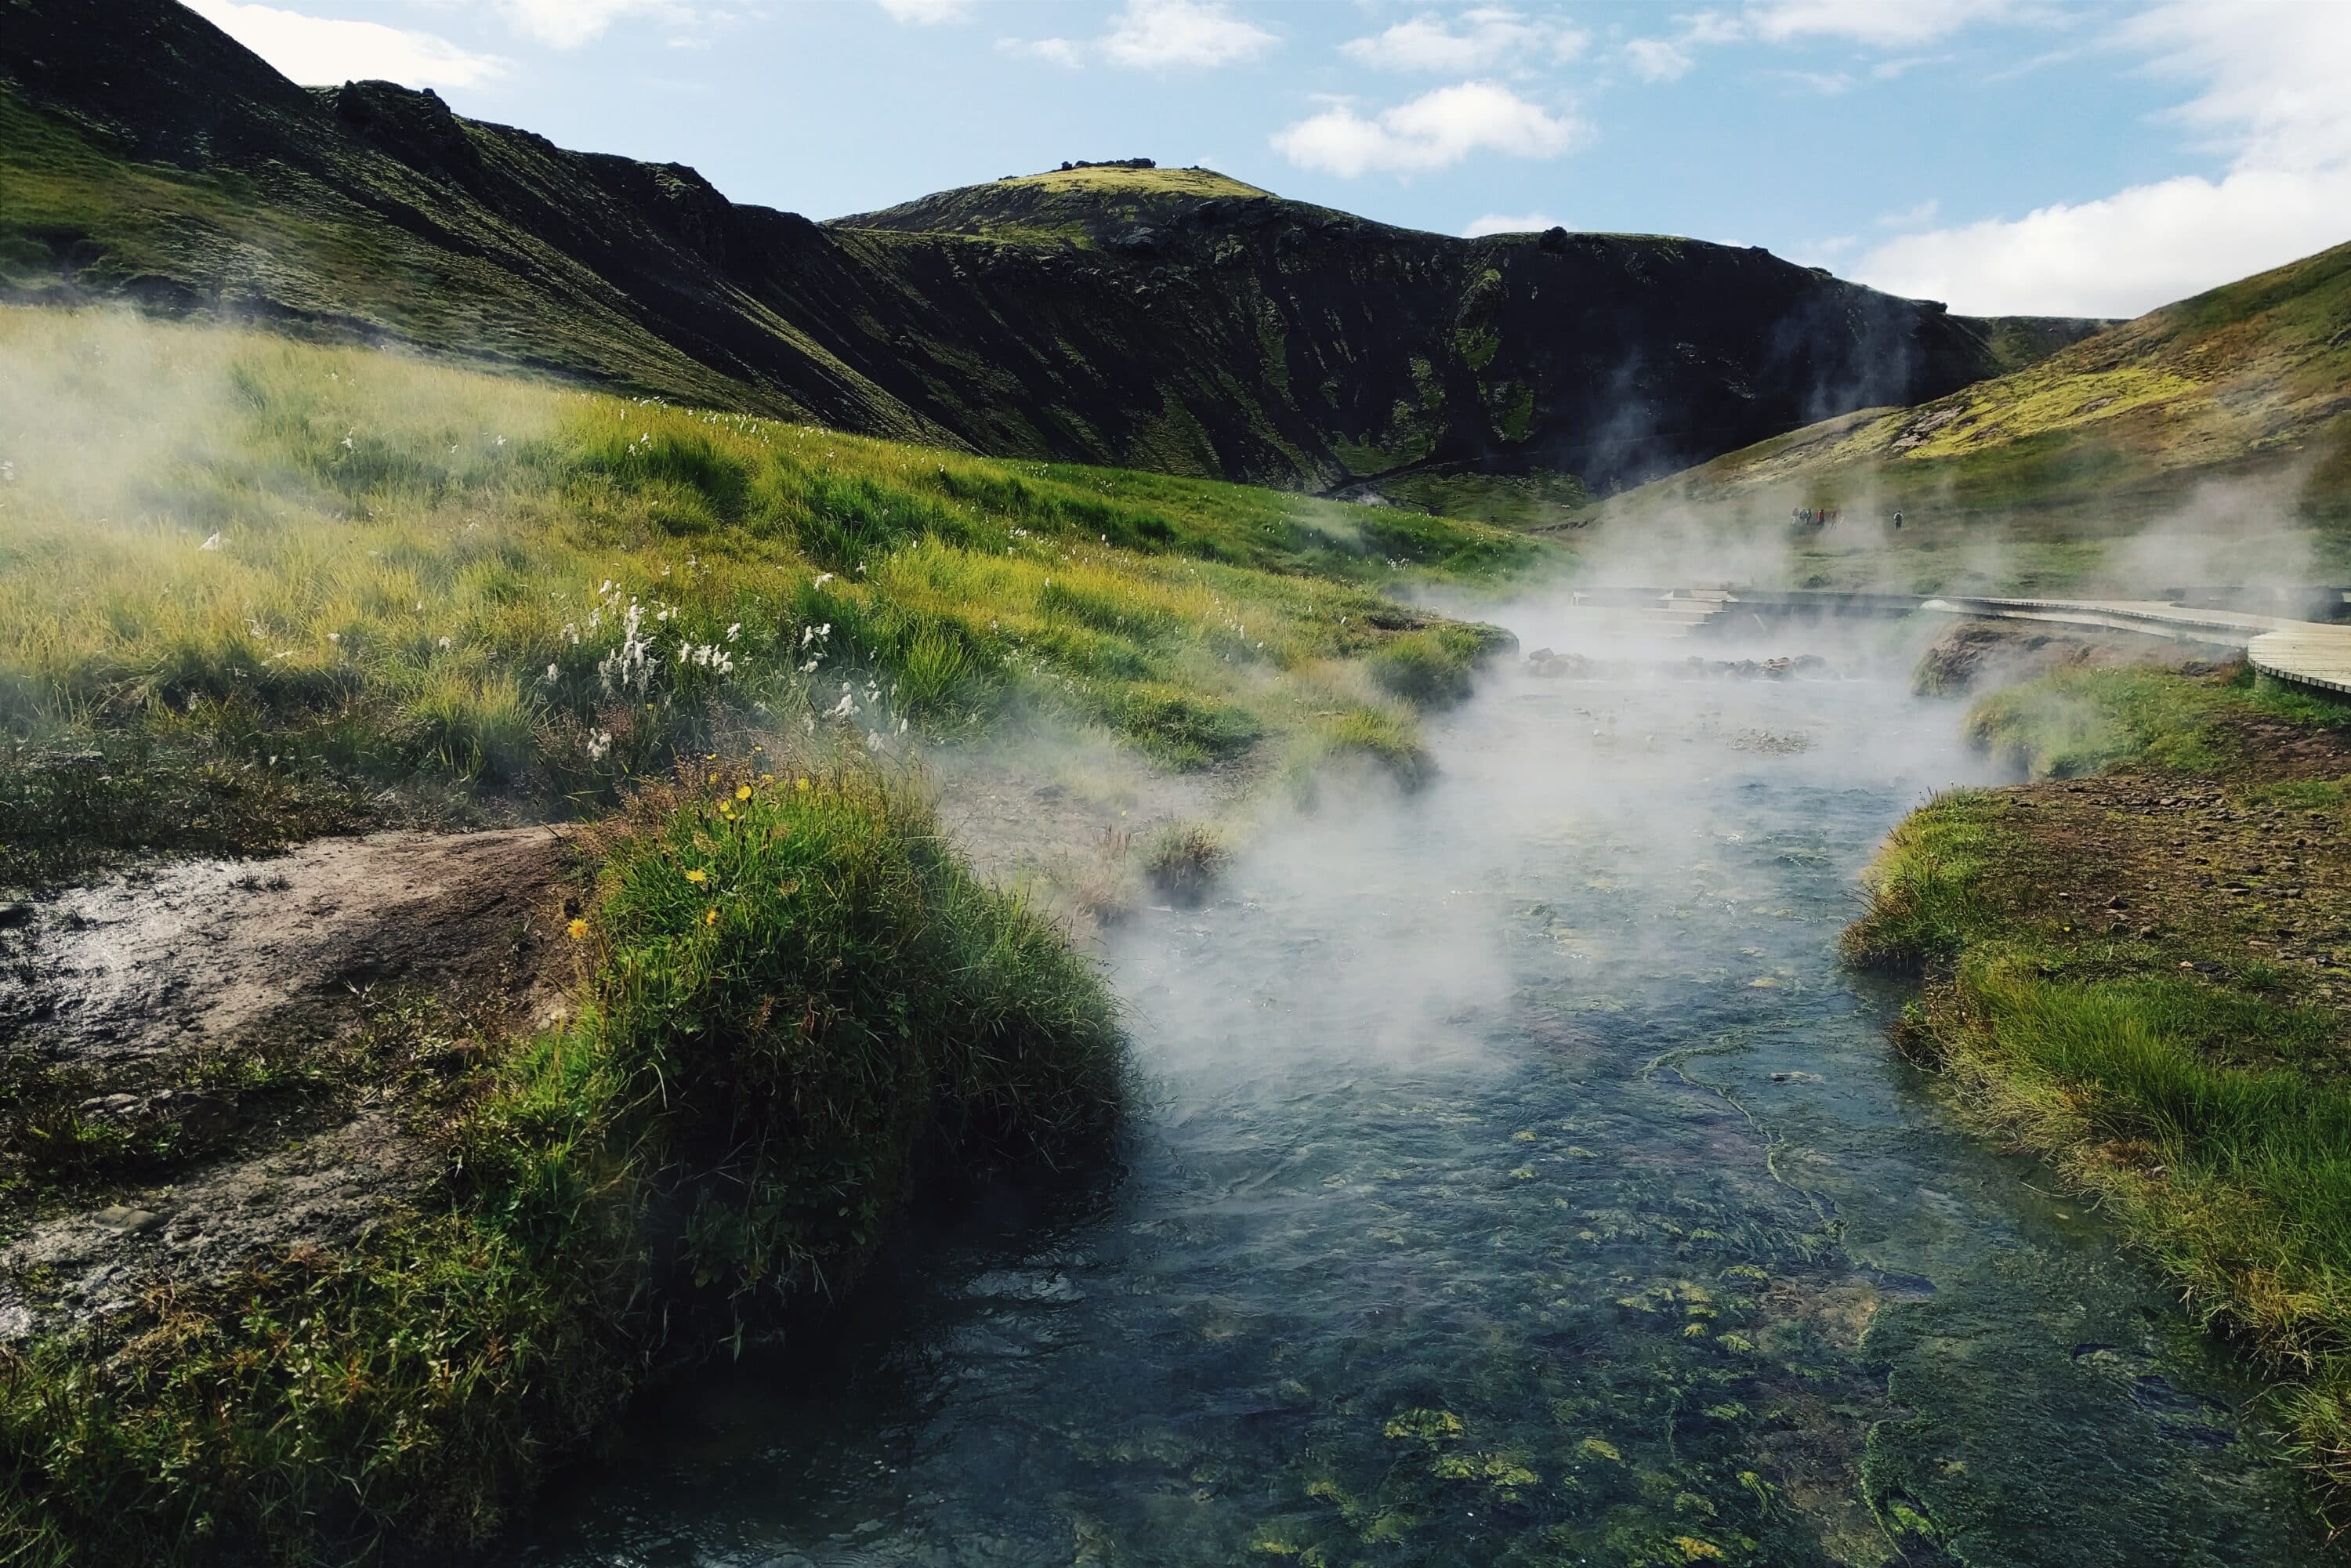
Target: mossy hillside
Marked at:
2139, 975
273, 581
796, 1001
1080, 208
2224, 416
1163, 318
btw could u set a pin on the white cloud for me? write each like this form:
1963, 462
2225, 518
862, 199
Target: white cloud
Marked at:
319, 51
1481, 40
1656, 59
2124, 253
2268, 76
1063, 52
1434, 131
1152, 35
1916, 217
568, 24
1155, 35
1496, 224
2273, 74
1876, 23
1820, 84
927, 13
1885, 24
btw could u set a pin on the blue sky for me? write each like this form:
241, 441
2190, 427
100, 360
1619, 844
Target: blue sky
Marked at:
2003, 156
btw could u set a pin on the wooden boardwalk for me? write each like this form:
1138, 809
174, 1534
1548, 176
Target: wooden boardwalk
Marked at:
2311, 653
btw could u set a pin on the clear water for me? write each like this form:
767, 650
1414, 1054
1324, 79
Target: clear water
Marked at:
1519, 1181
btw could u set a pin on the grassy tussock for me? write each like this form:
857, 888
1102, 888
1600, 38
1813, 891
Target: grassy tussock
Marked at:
797, 1000
1434, 667
227, 555
1183, 861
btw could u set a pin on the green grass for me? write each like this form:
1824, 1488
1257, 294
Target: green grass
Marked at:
2084, 721
316, 583
1078, 208
1184, 860
798, 1002
2181, 1071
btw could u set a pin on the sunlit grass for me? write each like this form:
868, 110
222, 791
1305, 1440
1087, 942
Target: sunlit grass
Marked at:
336, 565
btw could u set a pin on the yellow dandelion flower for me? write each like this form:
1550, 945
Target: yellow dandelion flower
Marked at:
710, 916
803, 783
579, 929
697, 876
742, 791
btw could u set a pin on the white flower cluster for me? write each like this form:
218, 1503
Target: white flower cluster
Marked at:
629, 666
814, 634
599, 746
707, 657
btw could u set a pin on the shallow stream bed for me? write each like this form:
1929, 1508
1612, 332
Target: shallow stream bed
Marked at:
1518, 1179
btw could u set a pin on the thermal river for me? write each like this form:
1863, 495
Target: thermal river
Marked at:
1515, 1178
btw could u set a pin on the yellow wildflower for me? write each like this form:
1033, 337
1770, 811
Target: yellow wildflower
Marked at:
710, 916
697, 876
579, 929
742, 791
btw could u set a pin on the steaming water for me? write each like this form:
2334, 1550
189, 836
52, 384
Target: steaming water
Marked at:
1521, 1182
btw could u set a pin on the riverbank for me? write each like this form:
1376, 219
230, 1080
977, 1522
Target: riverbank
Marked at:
622, 985
2138, 967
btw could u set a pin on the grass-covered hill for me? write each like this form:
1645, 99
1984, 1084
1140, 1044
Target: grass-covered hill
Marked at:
2228, 416
253, 589
1176, 320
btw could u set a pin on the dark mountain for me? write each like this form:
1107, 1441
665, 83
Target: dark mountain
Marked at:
1157, 318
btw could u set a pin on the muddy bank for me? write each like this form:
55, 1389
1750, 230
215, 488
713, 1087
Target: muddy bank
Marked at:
202, 1061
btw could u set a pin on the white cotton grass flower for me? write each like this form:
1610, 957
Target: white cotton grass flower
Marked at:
734, 630
873, 741
822, 580
442, 644
551, 674
213, 542
599, 746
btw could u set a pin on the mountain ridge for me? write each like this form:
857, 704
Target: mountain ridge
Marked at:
1225, 333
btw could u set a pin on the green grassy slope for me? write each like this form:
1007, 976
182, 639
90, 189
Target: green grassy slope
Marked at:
1081, 207
2230, 412
1189, 324
246, 586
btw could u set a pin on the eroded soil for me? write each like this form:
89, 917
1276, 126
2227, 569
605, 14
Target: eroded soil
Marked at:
208, 1062
2253, 868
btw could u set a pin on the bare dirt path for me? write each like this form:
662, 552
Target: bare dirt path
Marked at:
188, 1076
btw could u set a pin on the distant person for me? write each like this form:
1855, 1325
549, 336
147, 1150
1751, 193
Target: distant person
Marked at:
1898, 520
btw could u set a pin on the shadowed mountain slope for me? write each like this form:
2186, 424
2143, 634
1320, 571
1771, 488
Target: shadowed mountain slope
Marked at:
1170, 320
